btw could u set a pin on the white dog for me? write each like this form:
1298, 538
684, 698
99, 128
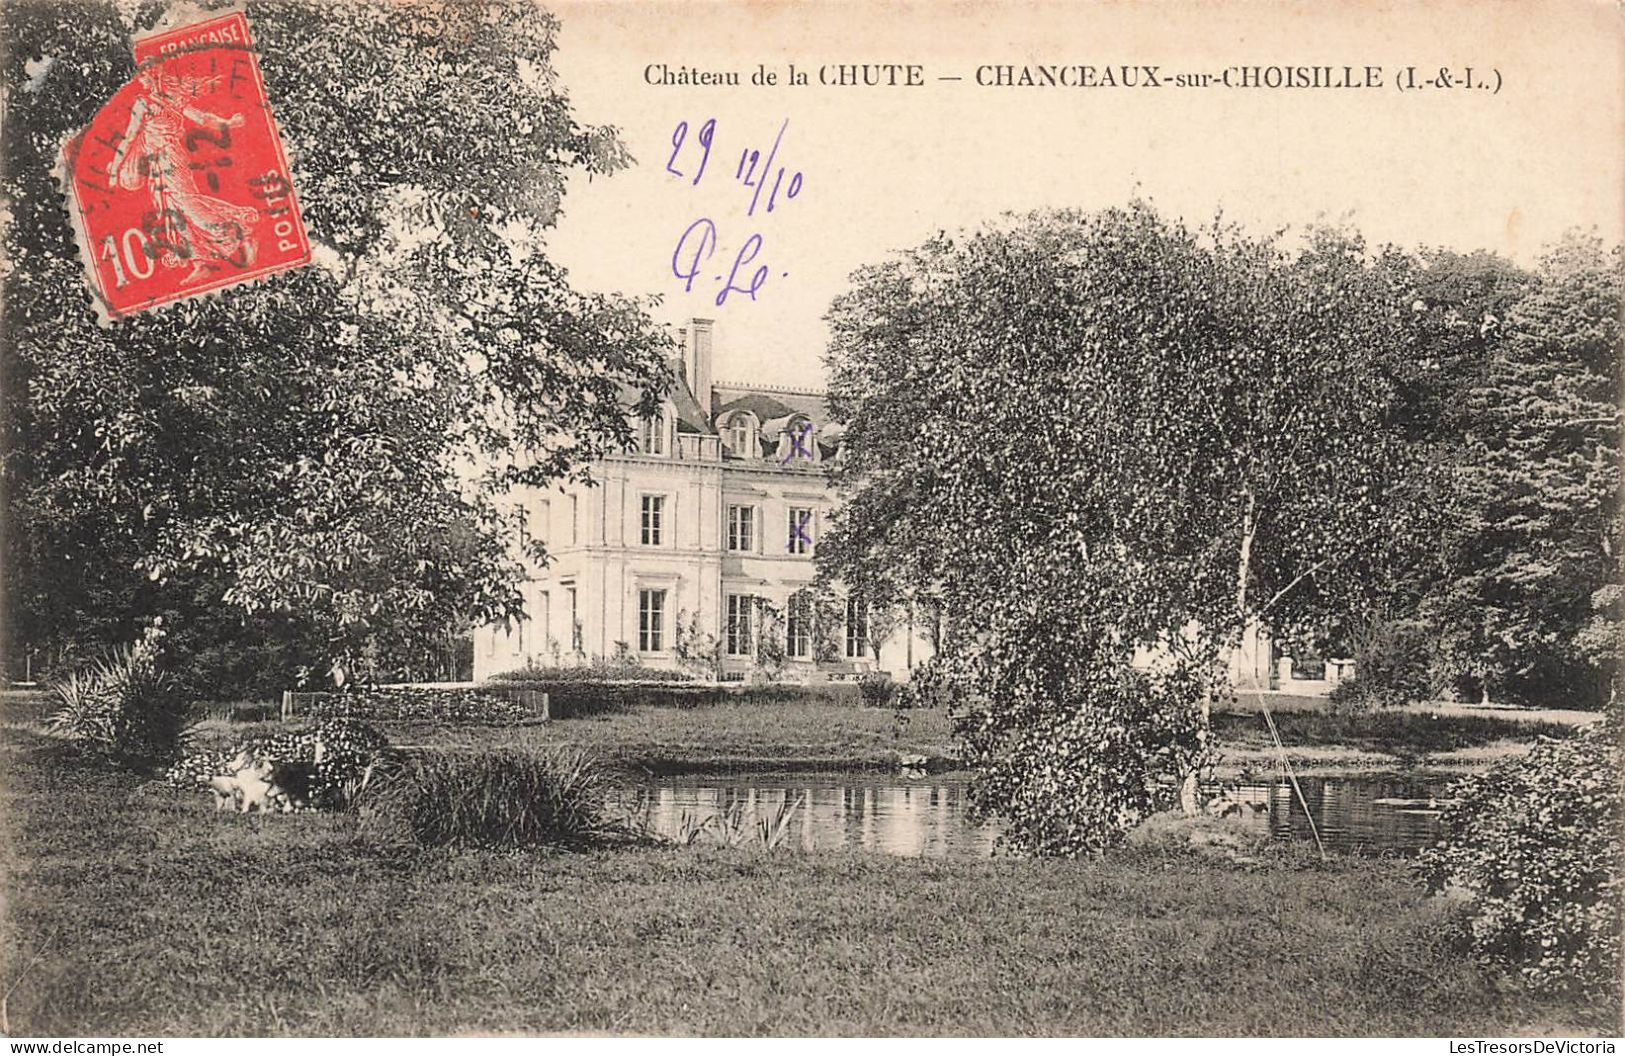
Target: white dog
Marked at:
227, 791
253, 778
256, 783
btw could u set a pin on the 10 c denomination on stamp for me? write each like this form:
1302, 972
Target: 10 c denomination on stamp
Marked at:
180, 185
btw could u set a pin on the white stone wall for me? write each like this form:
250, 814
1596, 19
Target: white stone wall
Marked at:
598, 552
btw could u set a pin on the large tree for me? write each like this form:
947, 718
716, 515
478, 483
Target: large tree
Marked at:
1528, 605
329, 445
1084, 432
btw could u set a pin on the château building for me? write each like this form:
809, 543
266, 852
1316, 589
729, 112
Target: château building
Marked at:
703, 533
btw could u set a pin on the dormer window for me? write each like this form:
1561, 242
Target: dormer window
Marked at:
652, 435
798, 445
742, 435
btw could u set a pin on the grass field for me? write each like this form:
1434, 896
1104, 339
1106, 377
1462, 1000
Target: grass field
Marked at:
151, 915
814, 735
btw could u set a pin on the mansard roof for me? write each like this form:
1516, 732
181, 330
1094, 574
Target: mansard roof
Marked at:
774, 408
690, 417
768, 402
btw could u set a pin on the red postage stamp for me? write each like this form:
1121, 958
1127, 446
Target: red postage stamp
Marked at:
180, 185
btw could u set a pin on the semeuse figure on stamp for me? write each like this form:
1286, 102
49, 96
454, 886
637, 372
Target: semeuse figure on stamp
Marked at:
156, 150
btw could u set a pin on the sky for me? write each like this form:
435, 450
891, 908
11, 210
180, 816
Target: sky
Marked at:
883, 168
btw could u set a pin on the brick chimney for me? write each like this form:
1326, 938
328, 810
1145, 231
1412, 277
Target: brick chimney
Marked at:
696, 338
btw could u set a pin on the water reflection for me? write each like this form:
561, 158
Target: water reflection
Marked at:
1370, 814
914, 819
931, 817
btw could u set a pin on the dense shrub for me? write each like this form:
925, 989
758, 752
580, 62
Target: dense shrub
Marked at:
1097, 755
877, 689
1536, 846
124, 705
926, 688
575, 698
350, 749
1392, 667
505, 798
421, 705
599, 669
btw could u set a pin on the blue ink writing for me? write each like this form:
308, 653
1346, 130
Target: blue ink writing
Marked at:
747, 253
749, 178
800, 541
701, 240
680, 133
798, 447
698, 252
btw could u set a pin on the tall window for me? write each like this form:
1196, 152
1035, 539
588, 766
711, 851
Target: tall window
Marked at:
654, 515
739, 624
742, 435
576, 645
798, 629
573, 536
651, 621
652, 436
534, 523
800, 530
798, 444
857, 629
742, 528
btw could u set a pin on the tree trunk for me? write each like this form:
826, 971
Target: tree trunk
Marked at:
1189, 804
1244, 563
1189, 801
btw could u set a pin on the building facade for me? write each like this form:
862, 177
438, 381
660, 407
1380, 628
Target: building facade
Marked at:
700, 538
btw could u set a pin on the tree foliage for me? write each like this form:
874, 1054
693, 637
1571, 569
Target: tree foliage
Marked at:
1527, 602
1078, 433
329, 445
1537, 848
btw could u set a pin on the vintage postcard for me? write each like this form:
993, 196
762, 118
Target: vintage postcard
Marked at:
1031, 519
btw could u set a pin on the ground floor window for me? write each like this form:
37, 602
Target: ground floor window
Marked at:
798, 630
739, 624
857, 629
651, 621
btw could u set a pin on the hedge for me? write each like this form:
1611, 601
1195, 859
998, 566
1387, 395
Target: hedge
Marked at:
493, 702
349, 748
599, 669
572, 699
418, 705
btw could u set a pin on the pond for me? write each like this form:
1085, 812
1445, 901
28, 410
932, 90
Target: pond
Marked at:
930, 817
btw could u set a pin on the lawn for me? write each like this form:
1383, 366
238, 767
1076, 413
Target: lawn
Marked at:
1322, 742
720, 738
821, 735
153, 915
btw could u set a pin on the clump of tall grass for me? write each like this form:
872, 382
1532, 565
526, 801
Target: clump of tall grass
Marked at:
501, 799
